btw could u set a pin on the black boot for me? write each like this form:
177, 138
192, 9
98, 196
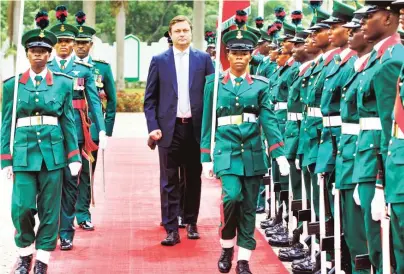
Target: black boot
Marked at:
224, 263
273, 221
24, 265
243, 267
40, 267
279, 228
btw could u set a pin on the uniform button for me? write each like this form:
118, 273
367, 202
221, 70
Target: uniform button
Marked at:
389, 153
343, 95
311, 76
338, 152
37, 133
360, 88
345, 99
356, 143
36, 100
236, 98
221, 107
354, 154
371, 145
321, 141
305, 129
401, 84
303, 85
391, 141
242, 145
344, 89
364, 73
242, 150
237, 104
326, 79
36, 113
39, 141
252, 106
37, 93
309, 84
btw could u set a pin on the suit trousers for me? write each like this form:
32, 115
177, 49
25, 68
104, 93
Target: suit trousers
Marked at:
237, 210
184, 151
36, 192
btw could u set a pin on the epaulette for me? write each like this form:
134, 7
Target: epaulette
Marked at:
262, 78
100, 61
83, 63
62, 74
8, 79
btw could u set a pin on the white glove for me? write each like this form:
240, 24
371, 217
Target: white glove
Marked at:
207, 169
9, 172
378, 205
297, 163
75, 168
333, 191
356, 196
102, 140
283, 164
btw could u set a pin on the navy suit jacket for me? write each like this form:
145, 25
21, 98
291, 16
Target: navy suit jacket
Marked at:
161, 96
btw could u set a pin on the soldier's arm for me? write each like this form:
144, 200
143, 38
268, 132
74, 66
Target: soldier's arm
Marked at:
206, 131
269, 124
68, 125
151, 96
256, 60
110, 90
385, 84
7, 109
93, 101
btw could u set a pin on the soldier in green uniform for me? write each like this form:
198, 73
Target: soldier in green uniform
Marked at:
104, 81
85, 97
45, 142
238, 157
376, 97
394, 188
352, 218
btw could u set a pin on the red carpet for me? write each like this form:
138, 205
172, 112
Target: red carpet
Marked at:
127, 236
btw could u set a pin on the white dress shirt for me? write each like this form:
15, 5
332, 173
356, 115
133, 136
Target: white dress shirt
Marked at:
32, 75
359, 62
85, 59
181, 59
68, 59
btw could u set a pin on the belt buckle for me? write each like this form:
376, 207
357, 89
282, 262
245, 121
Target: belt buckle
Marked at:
184, 121
38, 120
236, 119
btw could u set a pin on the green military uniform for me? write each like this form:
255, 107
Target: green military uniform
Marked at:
104, 82
375, 105
84, 95
238, 154
45, 142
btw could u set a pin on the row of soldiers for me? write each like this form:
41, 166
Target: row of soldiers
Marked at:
336, 90
64, 112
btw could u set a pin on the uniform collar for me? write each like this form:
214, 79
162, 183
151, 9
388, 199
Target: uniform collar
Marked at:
290, 61
227, 77
346, 54
85, 60
32, 74
233, 77
329, 55
383, 45
303, 67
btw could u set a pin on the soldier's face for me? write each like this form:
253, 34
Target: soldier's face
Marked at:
299, 54
375, 24
82, 48
402, 18
64, 47
181, 34
38, 57
310, 47
338, 35
356, 40
239, 60
320, 39
287, 48
264, 48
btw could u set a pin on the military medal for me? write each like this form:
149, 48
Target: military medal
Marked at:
98, 81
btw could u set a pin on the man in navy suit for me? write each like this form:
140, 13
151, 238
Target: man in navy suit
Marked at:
173, 107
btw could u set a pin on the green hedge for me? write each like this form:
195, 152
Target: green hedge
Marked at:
130, 101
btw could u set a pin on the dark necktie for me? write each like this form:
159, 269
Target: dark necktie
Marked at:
38, 80
62, 64
237, 83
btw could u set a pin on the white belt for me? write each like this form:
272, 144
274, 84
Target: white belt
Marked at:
349, 128
37, 120
294, 116
371, 123
332, 121
236, 119
314, 112
281, 105
397, 131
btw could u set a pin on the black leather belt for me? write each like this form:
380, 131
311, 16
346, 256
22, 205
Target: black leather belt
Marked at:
183, 120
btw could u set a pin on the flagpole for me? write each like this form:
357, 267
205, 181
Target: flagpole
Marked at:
217, 68
16, 79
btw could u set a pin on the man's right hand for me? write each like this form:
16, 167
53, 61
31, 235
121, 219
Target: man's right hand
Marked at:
9, 172
156, 134
207, 169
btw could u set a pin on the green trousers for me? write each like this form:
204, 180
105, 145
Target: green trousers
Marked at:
372, 228
353, 227
261, 199
296, 178
84, 189
397, 229
237, 210
316, 188
36, 192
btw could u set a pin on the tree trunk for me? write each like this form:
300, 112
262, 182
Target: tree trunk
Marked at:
120, 26
199, 24
89, 9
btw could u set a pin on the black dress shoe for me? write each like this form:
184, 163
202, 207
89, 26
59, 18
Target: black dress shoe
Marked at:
40, 267
172, 239
295, 253
181, 223
224, 263
287, 249
24, 265
260, 209
304, 268
243, 267
271, 222
277, 229
66, 244
279, 240
295, 262
87, 225
192, 232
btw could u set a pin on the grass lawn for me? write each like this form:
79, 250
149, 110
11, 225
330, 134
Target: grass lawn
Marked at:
134, 90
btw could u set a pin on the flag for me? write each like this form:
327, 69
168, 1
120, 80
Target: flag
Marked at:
229, 13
